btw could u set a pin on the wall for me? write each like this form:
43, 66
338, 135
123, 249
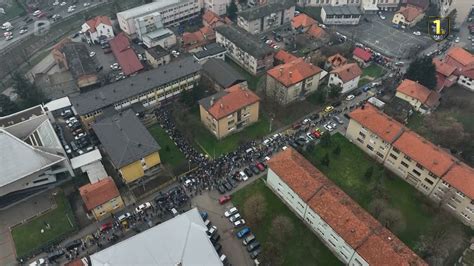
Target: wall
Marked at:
346, 87
412, 101
103, 211
286, 193
363, 137
458, 203
217, 6
466, 82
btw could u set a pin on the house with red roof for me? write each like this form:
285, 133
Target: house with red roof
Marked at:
302, 22
101, 198
98, 28
346, 76
466, 79
459, 58
230, 110
282, 57
335, 61
317, 33
199, 38
420, 97
125, 55
211, 19
293, 80
446, 74
408, 16
362, 56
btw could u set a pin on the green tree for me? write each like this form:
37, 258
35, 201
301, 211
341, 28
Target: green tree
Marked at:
325, 160
334, 91
337, 150
28, 92
232, 10
369, 172
320, 95
7, 106
423, 70
326, 140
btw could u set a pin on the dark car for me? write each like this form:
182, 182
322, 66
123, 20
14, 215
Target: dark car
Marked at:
160, 199
99, 68
218, 247
232, 181
221, 189
73, 244
336, 104
254, 254
52, 256
300, 141
357, 93
227, 186
252, 246
236, 176
215, 238
254, 169
294, 144
248, 172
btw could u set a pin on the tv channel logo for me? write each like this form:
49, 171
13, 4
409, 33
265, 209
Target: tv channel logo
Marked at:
41, 27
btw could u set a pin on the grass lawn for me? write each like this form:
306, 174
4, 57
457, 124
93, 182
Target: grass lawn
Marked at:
373, 71
303, 247
251, 80
363, 81
169, 153
28, 237
347, 171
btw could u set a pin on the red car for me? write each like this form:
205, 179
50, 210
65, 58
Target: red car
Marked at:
260, 167
316, 134
105, 227
224, 199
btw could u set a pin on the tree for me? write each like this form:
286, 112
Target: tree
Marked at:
337, 150
7, 106
232, 10
369, 172
377, 206
325, 160
392, 219
326, 140
334, 91
423, 70
254, 209
281, 228
28, 92
320, 95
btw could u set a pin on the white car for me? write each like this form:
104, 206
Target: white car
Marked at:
350, 97
71, 119
142, 207
417, 33
456, 40
40, 261
9, 37
243, 176
124, 216
230, 212
382, 17
56, 3
87, 4
71, 9
212, 230
235, 217
328, 127
239, 222
306, 121
92, 54
36, 13
23, 31
114, 66
63, 4
81, 135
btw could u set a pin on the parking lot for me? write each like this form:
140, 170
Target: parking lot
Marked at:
384, 38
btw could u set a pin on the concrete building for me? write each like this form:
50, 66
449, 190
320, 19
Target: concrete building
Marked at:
369, 6
129, 146
352, 234
340, 15
466, 79
218, 7
209, 51
172, 12
329, 2
90, 163
219, 75
446, 74
157, 56
388, 5
244, 49
266, 17
185, 242
98, 28
32, 157
102, 198
230, 110
421, 98
346, 76
408, 16
149, 88
292, 81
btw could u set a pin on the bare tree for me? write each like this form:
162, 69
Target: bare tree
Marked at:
377, 206
281, 228
393, 219
271, 254
254, 209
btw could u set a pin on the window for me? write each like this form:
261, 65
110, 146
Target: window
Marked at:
379, 154
362, 135
404, 164
361, 141
433, 175
428, 181
396, 150
393, 156
460, 194
370, 147
419, 166
408, 158
40, 180
416, 172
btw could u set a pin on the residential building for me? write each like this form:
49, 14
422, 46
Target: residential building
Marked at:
212, 50
157, 56
302, 22
125, 55
352, 234
466, 79
218, 7
421, 4
219, 75
429, 168
340, 15
74, 57
408, 16
197, 39
346, 76
211, 19
244, 49
97, 29
335, 61
283, 57
149, 88
446, 74
399, 109
292, 81
129, 146
362, 56
316, 32
172, 12
90, 163
388, 5
102, 198
266, 17
253, 3
369, 6
459, 58
187, 243
328, 2
230, 110
32, 156
420, 97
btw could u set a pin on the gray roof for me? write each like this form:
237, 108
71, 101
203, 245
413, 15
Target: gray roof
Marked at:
20, 116
110, 94
78, 59
124, 138
244, 40
147, 8
265, 10
157, 52
209, 50
207, 102
342, 10
222, 73
178, 241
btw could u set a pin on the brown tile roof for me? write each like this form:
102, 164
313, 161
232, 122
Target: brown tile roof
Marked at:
316, 32
347, 72
431, 157
461, 56
384, 248
293, 72
461, 177
233, 99
211, 18
302, 20
284, 56
344, 215
298, 173
468, 73
337, 60
410, 12
362, 54
421, 93
443, 68
98, 193
374, 120
94, 22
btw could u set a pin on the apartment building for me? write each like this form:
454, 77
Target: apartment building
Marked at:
244, 49
369, 6
328, 2
345, 76
466, 79
266, 17
352, 234
150, 88
386, 5
340, 15
420, 97
219, 7
408, 16
230, 110
98, 28
102, 198
429, 168
292, 81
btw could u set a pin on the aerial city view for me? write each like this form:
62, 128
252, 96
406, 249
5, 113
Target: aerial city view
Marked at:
237, 132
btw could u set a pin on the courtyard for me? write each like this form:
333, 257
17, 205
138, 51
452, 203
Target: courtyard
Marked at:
169, 153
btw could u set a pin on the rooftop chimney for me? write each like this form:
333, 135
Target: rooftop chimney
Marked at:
212, 101
290, 74
281, 71
222, 106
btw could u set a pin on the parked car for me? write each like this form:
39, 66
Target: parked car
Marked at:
248, 239
215, 238
338, 119
234, 217
124, 216
227, 186
243, 176
254, 169
73, 244
328, 109
212, 231
252, 246
106, 227
218, 247
350, 97
260, 166
142, 207
231, 212
224, 199
221, 189
248, 172
254, 254
52, 256
244, 231
203, 214
239, 223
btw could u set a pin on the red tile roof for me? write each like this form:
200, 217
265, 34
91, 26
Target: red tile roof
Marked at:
302, 20
298, 173
461, 177
284, 56
316, 32
431, 157
374, 120
293, 72
460, 58
410, 12
98, 193
337, 60
468, 73
362, 54
347, 72
236, 98
198, 38
125, 55
94, 22
211, 18
443, 68
414, 89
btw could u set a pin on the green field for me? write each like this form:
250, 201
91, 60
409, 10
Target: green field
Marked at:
169, 153
28, 237
303, 247
253, 81
373, 71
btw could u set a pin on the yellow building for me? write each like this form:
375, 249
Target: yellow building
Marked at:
129, 146
230, 110
408, 16
101, 198
420, 97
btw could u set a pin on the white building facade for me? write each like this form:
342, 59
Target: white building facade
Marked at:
217, 6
